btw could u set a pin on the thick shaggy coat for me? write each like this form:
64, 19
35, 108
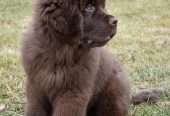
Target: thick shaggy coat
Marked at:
69, 73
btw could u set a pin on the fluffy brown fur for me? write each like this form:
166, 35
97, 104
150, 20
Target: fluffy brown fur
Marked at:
69, 73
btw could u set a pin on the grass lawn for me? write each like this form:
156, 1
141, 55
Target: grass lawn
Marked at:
142, 44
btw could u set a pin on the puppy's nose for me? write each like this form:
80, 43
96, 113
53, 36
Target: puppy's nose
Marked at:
112, 20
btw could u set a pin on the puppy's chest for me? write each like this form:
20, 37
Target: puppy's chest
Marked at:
52, 73
58, 74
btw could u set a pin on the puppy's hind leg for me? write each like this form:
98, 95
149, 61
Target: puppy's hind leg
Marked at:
114, 100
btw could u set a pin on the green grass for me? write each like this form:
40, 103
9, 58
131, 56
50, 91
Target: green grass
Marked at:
142, 44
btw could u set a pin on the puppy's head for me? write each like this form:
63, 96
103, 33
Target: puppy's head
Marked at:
99, 27
76, 22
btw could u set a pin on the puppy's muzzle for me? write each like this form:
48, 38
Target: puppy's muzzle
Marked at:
113, 23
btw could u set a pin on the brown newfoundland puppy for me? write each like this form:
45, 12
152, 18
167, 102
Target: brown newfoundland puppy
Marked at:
69, 73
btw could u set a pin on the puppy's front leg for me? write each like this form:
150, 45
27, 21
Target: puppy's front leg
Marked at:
37, 104
68, 105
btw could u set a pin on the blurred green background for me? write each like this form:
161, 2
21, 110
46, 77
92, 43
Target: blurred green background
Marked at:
142, 44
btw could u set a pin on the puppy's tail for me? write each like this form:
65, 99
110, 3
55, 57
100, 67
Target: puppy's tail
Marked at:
147, 96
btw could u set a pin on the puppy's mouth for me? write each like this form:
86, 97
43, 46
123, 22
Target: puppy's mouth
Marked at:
94, 43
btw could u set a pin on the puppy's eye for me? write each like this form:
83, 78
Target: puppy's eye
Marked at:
86, 5
92, 2
90, 9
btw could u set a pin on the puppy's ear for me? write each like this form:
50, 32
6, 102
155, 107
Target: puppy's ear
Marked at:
51, 13
68, 21
62, 16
